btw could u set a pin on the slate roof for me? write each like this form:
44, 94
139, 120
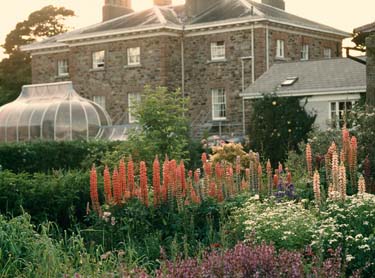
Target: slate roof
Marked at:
368, 28
314, 77
171, 17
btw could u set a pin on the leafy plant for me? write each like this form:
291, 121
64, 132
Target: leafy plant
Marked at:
278, 125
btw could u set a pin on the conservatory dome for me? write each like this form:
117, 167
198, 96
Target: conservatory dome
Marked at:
51, 112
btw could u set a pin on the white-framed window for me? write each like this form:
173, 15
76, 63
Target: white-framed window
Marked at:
327, 53
305, 52
62, 67
280, 49
339, 111
218, 50
98, 59
134, 56
219, 104
133, 99
100, 100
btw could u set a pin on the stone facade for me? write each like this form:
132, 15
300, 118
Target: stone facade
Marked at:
370, 48
165, 57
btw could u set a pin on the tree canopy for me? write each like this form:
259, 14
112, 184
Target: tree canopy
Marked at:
15, 71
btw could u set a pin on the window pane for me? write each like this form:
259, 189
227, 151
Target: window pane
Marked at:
62, 67
134, 55
218, 50
218, 104
133, 99
98, 59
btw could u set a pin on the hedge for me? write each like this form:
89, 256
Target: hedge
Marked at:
58, 197
44, 156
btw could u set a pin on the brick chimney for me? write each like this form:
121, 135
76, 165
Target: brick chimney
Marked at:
116, 8
280, 4
162, 2
196, 7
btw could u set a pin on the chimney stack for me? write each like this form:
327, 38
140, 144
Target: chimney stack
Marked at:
196, 7
280, 4
162, 2
116, 8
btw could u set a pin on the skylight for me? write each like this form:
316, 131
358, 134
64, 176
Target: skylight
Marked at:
289, 81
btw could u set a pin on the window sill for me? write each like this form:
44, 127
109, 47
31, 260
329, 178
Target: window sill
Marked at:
217, 61
280, 59
62, 76
132, 66
97, 69
219, 119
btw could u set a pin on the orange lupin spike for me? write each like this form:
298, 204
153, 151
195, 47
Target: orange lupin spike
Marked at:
143, 183
116, 187
275, 180
238, 165
183, 178
94, 190
107, 185
156, 181
122, 176
204, 158
289, 177
309, 159
131, 181
165, 179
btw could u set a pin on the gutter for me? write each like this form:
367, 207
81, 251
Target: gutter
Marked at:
354, 58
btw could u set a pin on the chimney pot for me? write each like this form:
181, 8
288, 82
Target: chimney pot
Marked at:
162, 2
116, 8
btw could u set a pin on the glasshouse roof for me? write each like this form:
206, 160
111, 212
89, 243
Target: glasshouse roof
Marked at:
51, 112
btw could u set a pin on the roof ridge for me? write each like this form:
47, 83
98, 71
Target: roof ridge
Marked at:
250, 6
159, 15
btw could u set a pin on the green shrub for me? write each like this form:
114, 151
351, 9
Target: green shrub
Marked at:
349, 224
44, 156
278, 125
289, 225
59, 197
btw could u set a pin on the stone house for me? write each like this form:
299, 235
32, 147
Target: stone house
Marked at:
366, 33
328, 88
211, 49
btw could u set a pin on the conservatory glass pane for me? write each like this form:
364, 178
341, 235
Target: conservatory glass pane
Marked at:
3, 118
35, 120
48, 130
102, 116
93, 120
23, 123
63, 122
79, 122
11, 129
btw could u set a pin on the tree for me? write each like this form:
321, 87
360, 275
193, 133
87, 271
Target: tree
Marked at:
15, 71
163, 124
277, 125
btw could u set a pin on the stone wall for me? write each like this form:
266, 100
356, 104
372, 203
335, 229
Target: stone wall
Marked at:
161, 66
370, 70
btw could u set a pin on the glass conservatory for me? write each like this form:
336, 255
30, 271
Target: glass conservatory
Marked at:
51, 112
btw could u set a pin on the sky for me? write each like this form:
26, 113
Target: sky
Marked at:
341, 14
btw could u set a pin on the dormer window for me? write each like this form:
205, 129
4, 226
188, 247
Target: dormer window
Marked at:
98, 59
279, 49
134, 56
218, 50
289, 81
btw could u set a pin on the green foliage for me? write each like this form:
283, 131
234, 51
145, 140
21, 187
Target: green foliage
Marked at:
61, 198
349, 224
289, 225
27, 253
51, 155
146, 230
163, 128
277, 125
363, 121
15, 71
229, 153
